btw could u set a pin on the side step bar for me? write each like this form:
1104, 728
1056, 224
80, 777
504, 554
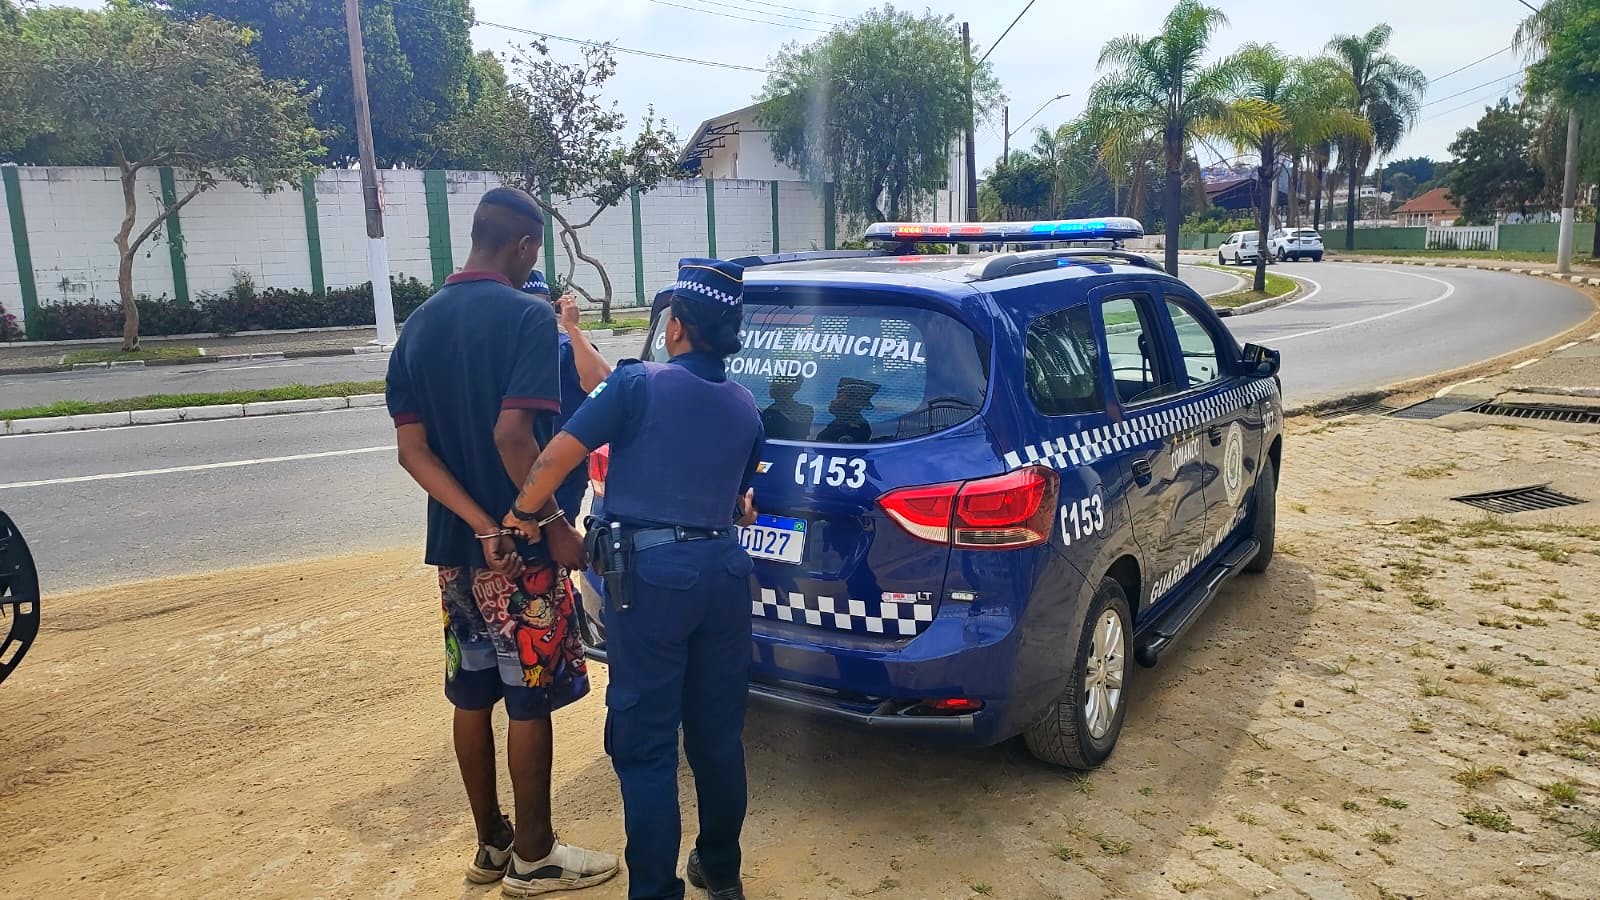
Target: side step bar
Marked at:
1161, 634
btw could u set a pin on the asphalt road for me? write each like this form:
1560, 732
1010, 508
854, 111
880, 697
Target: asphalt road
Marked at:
108, 506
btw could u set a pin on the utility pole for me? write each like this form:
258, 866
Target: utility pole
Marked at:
1005, 129
971, 147
377, 250
1569, 196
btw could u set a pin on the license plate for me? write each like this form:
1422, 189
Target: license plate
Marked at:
775, 538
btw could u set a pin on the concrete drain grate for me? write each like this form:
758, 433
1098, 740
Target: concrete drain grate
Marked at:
1370, 408
1549, 412
1522, 499
1438, 406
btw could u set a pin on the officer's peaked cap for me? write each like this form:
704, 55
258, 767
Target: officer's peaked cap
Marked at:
536, 284
710, 288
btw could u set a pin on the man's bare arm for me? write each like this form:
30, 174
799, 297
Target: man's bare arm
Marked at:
592, 367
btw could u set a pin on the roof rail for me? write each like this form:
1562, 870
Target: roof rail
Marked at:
1005, 264
769, 259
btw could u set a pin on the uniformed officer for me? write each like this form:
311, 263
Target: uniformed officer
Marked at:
685, 444
582, 370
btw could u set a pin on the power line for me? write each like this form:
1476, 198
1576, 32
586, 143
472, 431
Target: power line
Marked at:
579, 41
1474, 102
762, 12
1007, 31
712, 12
1471, 89
1473, 63
801, 9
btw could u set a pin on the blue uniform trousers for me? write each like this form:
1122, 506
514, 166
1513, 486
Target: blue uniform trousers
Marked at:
680, 656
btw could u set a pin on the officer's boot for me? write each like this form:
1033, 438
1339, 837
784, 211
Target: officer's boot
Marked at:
733, 890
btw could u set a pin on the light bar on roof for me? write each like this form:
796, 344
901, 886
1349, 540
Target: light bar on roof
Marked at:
1108, 229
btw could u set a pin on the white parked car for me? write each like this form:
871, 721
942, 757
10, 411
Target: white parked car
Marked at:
1239, 249
1295, 243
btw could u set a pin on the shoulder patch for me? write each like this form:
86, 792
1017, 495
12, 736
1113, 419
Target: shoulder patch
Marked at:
598, 388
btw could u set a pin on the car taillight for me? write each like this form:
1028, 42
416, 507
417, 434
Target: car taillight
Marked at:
599, 464
1002, 512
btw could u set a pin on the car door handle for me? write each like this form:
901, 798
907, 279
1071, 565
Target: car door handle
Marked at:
1142, 472
1215, 435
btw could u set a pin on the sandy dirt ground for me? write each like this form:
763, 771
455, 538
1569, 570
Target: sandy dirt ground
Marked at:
1405, 706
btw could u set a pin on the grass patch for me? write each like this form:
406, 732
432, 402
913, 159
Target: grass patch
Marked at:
1277, 286
1560, 791
1392, 803
1350, 806
1063, 853
1111, 846
1514, 681
1421, 726
175, 401
1430, 688
1205, 831
1589, 835
1474, 777
1426, 473
1381, 836
1484, 668
1319, 854
618, 324
1484, 817
115, 354
1147, 791
1505, 255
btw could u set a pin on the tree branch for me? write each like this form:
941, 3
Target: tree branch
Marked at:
166, 214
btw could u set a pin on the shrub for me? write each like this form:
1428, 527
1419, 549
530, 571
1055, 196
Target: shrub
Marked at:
240, 308
9, 330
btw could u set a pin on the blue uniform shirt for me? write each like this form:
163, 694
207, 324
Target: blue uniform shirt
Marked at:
466, 354
614, 411
570, 495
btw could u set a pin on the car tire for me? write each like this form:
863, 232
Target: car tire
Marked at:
1316, 257
1065, 735
1236, 259
1264, 517
1220, 260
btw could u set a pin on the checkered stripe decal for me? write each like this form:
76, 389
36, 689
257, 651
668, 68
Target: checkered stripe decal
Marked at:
861, 616
706, 289
1084, 447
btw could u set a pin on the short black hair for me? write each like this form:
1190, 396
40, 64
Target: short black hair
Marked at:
719, 335
505, 216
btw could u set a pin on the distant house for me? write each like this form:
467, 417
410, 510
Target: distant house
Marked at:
737, 145
1432, 208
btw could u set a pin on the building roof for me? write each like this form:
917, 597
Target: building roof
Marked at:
1434, 201
711, 134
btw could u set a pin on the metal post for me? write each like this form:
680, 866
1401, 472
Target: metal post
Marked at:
1569, 196
1005, 131
377, 250
971, 146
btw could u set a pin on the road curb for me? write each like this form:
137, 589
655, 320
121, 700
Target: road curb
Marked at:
197, 360
101, 421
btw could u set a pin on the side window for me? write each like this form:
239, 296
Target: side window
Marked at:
1063, 364
1133, 345
1202, 358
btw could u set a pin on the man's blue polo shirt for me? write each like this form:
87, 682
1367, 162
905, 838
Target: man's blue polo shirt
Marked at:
476, 347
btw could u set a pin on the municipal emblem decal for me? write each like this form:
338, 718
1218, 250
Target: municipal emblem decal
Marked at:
1233, 464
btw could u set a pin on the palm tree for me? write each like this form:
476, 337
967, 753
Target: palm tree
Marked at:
1160, 89
1317, 111
1386, 92
1532, 40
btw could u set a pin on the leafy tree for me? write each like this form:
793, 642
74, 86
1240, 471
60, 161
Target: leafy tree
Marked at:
1403, 185
1160, 91
1567, 32
874, 107
1080, 186
1418, 168
552, 135
1385, 92
1495, 168
419, 65
1022, 187
129, 85
1315, 104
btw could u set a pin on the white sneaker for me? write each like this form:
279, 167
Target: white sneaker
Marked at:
567, 868
489, 864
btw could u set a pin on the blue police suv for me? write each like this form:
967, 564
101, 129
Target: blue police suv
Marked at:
991, 482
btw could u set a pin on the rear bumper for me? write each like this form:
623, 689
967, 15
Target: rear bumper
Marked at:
878, 684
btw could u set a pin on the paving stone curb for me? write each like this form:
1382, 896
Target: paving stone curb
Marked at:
95, 421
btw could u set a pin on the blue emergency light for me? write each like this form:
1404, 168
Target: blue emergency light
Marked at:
1113, 228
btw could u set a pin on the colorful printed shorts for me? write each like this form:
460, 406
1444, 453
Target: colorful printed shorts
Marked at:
512, 640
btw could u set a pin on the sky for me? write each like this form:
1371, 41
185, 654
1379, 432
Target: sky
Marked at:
1052, 50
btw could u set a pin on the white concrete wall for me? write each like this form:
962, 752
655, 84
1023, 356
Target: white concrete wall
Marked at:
73, 213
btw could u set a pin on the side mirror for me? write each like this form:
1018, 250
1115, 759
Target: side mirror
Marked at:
1263, 362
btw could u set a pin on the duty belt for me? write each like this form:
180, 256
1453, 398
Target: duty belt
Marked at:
646, 538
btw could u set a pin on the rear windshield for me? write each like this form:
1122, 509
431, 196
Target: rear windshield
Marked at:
856, 373
1306, 234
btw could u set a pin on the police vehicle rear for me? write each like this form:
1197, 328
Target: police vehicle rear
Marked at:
990, 482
